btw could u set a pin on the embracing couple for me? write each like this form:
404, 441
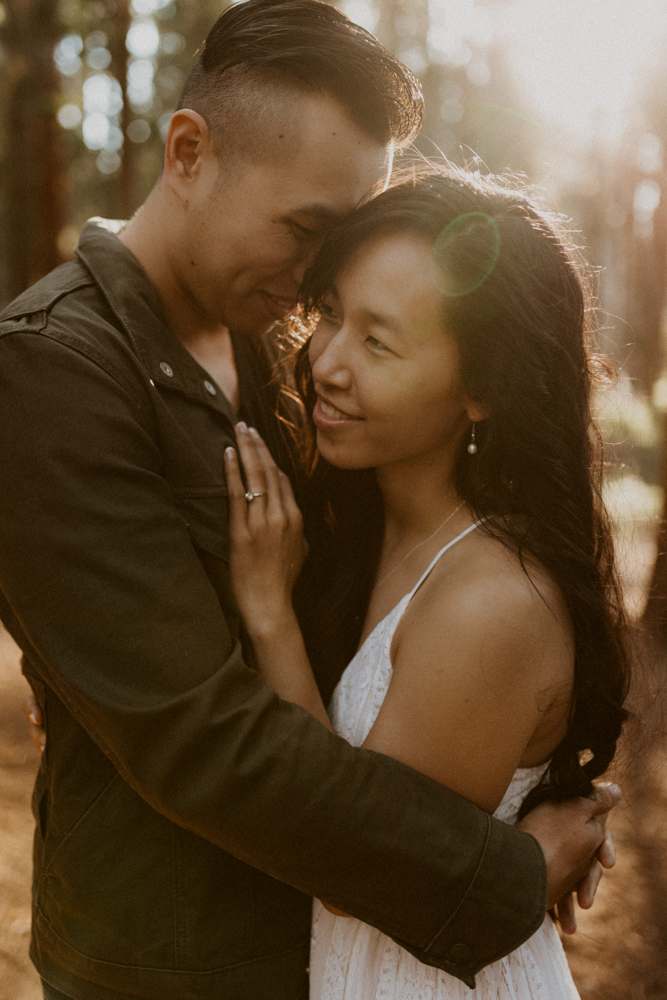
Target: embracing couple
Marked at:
389, 694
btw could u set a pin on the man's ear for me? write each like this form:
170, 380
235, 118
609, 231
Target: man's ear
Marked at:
187, 146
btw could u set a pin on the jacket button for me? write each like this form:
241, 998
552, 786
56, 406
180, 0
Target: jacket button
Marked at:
460, 953
166, 369
209, 387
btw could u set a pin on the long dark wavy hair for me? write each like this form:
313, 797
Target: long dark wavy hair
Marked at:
517, 300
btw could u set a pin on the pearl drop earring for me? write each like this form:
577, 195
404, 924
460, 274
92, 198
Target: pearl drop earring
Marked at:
472, 447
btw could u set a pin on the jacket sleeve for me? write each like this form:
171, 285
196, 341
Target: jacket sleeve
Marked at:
106, 594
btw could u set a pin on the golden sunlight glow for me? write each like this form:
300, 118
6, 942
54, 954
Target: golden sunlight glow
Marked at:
579, 61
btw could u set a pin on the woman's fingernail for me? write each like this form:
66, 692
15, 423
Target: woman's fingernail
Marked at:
254, 432
241, 426
229, 452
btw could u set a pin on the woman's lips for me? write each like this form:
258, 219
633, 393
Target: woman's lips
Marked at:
326, 415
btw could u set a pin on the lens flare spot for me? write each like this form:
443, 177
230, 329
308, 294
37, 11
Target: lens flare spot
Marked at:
465, 254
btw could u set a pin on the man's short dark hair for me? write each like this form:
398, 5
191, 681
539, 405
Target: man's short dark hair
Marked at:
305, 45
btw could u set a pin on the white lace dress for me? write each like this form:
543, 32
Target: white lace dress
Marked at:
350, 960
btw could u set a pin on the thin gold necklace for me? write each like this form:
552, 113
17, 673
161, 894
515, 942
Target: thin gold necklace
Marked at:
419, 545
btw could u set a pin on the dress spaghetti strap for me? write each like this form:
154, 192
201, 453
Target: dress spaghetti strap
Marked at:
441, 553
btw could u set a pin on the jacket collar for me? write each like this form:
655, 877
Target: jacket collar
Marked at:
137, 306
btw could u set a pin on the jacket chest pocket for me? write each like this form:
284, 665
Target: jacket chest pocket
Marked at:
205, 512
206, 515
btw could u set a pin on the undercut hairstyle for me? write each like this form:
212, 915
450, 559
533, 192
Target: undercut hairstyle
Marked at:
261, 54
525, 332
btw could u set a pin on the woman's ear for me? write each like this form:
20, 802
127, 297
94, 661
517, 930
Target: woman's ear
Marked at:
476, 413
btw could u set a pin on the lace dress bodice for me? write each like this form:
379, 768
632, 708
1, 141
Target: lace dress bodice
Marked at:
351, 960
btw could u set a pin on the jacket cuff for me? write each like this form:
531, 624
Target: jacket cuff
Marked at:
511, 878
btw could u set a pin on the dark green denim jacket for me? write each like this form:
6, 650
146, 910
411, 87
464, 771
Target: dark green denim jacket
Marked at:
184, 813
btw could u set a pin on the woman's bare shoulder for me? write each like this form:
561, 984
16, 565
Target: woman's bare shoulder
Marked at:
487, 592
483, 668
489, 574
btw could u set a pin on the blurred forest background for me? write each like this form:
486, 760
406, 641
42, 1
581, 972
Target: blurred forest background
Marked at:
571, 94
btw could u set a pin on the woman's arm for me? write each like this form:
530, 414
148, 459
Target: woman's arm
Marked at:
267, 552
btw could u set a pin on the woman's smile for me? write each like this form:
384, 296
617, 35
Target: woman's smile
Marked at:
327, 416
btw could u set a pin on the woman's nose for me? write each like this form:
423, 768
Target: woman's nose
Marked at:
329, 361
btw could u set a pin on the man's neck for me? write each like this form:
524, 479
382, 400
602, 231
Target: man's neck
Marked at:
209, 343
214, 351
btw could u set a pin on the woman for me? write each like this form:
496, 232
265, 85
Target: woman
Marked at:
449, 379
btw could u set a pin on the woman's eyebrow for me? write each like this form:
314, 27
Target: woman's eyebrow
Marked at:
385, 321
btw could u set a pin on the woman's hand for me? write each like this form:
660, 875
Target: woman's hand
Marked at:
268, 548
267, 552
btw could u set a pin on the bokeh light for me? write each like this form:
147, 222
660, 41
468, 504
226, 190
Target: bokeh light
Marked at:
138, 130
649, 154
69, 116
172, 43
140, 87
98, 58
108, 162
144, 8
646, 201
66, 54
102, 93
95, 130
163, 123
143, 38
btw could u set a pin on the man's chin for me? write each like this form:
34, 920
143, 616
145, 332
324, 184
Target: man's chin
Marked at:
260, 314
252, 327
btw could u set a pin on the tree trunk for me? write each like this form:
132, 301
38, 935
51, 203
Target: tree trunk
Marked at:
35, 162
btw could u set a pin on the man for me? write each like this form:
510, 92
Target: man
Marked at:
184, 813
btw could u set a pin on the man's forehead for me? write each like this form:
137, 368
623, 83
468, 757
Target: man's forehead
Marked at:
328, 145
331, 195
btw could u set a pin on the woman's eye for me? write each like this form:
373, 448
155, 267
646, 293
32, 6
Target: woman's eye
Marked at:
328, 311
376, 344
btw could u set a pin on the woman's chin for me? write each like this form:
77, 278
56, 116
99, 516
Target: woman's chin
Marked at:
340, 456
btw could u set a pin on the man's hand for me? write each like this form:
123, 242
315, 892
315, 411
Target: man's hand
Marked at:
586, 889
37, 731
577, 845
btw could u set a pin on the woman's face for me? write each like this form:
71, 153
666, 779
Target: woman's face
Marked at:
385, 370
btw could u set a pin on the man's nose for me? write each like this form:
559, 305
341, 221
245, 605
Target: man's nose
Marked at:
306, 259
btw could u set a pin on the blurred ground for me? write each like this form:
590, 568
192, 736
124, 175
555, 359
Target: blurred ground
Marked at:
620, 950
18, 765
